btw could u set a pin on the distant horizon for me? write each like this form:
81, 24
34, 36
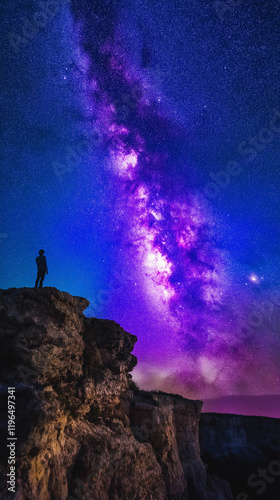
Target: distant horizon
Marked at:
254, 406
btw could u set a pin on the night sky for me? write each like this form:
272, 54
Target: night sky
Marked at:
140, 146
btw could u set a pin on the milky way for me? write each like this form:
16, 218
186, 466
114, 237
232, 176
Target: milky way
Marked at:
195, 337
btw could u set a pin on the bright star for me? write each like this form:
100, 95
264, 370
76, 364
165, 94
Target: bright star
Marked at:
254, 278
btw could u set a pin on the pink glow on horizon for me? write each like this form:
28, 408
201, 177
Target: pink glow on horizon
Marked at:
268, 406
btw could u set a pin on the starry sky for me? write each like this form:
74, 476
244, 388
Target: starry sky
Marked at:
140, 148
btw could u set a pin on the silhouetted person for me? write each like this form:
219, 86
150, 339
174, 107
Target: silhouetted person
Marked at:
41, 262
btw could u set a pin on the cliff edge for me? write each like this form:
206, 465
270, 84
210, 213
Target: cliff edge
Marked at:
82, 432
244, 450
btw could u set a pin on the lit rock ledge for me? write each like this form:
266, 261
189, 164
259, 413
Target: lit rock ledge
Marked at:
82, 431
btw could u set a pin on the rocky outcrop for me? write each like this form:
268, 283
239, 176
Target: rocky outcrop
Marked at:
245, 451
82, 433
171, 424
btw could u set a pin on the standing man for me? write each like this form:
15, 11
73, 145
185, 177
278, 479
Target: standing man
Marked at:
41, 262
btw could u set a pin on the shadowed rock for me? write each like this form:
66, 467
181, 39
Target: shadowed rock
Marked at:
238, 448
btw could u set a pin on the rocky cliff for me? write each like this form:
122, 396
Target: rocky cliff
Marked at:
245, 451
82, 433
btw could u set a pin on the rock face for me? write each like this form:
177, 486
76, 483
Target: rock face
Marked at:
245, 451
82, 433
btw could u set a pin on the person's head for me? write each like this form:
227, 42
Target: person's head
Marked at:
41, 252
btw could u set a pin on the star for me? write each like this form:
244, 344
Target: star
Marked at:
255, 279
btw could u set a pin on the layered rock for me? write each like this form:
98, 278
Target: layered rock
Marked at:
245, 451
171, 424
82, 433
